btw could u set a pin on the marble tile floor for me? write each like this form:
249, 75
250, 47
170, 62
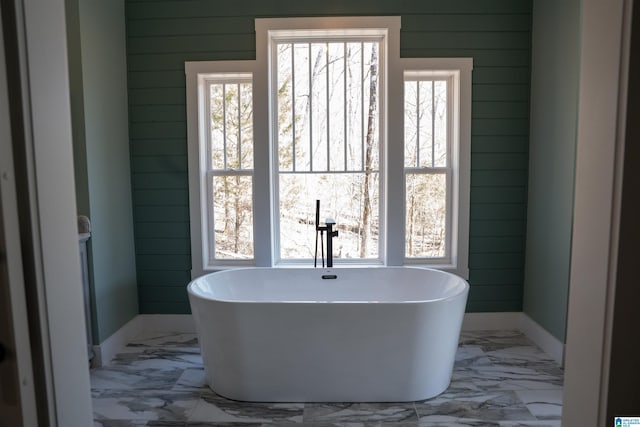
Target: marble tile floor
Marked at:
500, 379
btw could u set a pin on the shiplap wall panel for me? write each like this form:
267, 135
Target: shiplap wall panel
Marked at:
163, 34
154, 230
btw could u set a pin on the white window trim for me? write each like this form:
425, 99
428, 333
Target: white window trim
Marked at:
343, 29
460, 69
198, 74
449, 170
268, 28
392, 215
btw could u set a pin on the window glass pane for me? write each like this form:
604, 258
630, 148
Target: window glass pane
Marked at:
426, 204
410, 124
232, 125
233, 217
333, 89
355, 114
343, 198
216, 114
246, 125
302, 106
440, 123
371, 105
336, 107
285, 118
425, 119
319, 105
334, 94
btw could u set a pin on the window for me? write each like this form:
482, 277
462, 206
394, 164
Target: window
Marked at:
229, 107
225, 134
427, 165
328, 145
436, 124
329, 111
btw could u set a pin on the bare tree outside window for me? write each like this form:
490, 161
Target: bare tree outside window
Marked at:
230, 170
427, 172
328, 149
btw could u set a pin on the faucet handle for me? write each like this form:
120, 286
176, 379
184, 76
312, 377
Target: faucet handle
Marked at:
330, 221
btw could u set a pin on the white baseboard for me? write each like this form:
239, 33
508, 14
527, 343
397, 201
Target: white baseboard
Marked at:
150, 323
107, 349
517, 321
141, 324
542, 338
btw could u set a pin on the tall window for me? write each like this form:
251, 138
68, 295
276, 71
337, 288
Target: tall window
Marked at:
227, 127
328, 145
329, 111
427, 141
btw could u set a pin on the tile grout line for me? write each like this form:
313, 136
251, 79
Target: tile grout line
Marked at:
199, 399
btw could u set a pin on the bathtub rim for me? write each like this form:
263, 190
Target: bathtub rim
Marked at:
461, 289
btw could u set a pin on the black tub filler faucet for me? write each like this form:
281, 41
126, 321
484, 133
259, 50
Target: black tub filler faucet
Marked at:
331, 233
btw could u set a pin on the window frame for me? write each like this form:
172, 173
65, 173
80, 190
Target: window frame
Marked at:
210, 172
449, 170
459, 71
326, 34
391, 128
199, 77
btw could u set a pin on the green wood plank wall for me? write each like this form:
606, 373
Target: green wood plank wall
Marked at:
163, 34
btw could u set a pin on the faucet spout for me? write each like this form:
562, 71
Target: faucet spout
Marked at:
329, 223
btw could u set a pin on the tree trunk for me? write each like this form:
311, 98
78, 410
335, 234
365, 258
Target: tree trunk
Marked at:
238, 220
366, 209
227, 209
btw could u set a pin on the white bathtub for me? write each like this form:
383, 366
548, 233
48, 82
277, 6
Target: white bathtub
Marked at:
385, 334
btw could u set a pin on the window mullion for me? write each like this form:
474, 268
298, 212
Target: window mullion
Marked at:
293, 106
310, 108
427, 170
362, 131
229, 172
328, 108
344, 108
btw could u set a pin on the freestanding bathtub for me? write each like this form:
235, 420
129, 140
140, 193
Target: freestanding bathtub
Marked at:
385, 334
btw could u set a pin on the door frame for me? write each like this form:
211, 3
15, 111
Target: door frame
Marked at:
38, 99
17, 398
